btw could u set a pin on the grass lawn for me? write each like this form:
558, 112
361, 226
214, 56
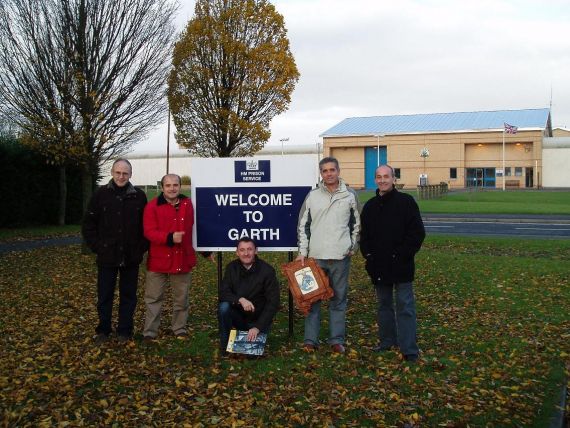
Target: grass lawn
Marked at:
494, 328
494, 202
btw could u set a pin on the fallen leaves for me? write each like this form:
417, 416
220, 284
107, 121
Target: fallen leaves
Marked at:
492, 343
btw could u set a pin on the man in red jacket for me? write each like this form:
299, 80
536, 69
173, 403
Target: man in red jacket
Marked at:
168, 221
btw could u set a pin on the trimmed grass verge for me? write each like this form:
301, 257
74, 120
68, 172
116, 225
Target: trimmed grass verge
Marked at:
494, 202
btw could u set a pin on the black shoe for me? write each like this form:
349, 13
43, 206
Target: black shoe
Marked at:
100, 338
123, 339
411, 358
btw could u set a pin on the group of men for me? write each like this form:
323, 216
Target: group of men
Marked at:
120, 226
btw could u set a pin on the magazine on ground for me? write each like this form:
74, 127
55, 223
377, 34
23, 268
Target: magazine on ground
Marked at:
239, 344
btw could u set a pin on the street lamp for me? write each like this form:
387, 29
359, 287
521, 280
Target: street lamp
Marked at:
378, 148
282, 141
168, 142
424, 153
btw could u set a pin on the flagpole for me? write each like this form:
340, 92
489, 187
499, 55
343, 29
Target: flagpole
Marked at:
504, 171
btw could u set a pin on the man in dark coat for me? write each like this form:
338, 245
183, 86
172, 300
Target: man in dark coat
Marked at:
113, 229
392, 233
248, 294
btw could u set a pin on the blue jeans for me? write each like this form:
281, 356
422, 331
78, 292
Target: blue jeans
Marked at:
397, 328
231, 317
106, 281
337, 271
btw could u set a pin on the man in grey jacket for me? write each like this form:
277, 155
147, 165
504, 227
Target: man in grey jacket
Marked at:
329, 226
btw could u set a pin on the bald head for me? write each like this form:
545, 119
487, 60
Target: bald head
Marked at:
385, 179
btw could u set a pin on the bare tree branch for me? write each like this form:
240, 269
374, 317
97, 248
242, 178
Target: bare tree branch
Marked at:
85, 79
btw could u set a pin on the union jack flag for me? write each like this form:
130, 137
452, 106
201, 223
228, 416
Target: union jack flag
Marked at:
510, 129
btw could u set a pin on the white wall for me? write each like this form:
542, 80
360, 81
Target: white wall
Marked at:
148, 168
556, 161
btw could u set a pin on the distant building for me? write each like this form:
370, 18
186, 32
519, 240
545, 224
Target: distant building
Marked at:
560, 132
149, 167
462, 149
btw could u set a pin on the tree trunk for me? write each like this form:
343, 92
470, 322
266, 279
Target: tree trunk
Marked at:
87, 191
87, 188
62, 196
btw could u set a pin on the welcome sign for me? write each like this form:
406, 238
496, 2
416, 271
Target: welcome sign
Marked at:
259, 198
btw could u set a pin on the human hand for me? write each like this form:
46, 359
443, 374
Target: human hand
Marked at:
252, 334
246, 304
302, 258
177, 237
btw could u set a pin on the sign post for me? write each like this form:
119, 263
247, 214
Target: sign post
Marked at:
257, 197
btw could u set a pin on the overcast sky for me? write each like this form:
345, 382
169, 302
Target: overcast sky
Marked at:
371, 58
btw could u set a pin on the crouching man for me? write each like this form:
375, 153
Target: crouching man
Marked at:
248, 294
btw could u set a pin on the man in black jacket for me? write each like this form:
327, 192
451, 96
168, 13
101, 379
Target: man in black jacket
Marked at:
392, 233
113, 229
248, 294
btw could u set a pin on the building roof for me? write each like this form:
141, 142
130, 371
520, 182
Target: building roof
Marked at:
528, 119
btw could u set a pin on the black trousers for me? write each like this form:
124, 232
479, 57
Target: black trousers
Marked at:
106, 282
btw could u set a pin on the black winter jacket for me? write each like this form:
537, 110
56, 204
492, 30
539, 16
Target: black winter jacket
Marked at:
257, 284
392, 233
113, 225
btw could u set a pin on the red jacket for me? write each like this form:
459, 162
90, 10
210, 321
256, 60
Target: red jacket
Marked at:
160, 221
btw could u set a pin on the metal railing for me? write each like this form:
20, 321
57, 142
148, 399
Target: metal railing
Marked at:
433, 191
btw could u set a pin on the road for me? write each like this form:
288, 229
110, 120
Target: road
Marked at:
521, 226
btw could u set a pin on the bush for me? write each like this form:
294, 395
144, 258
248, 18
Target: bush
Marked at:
29, 187
185, 180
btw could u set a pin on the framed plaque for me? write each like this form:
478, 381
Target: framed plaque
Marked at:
308, 283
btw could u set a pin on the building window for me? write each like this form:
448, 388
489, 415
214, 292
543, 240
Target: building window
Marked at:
508, 171
452, 172
518, 171
397, 173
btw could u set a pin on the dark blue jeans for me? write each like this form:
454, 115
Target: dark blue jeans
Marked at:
397, 326
106, 281
230, 317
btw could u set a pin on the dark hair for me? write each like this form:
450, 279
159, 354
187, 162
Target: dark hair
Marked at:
122, 160
328, 159
246, 240
170, 175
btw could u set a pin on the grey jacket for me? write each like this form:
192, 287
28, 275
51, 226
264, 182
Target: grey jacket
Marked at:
329, 223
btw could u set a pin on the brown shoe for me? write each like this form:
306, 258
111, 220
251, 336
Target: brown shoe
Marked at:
182, 336
149, 340
338, 348
309, 347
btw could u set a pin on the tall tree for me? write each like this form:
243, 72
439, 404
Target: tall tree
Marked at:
85, 79
232, 73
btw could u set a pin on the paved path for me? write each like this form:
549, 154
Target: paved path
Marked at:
6, 247
498, 218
